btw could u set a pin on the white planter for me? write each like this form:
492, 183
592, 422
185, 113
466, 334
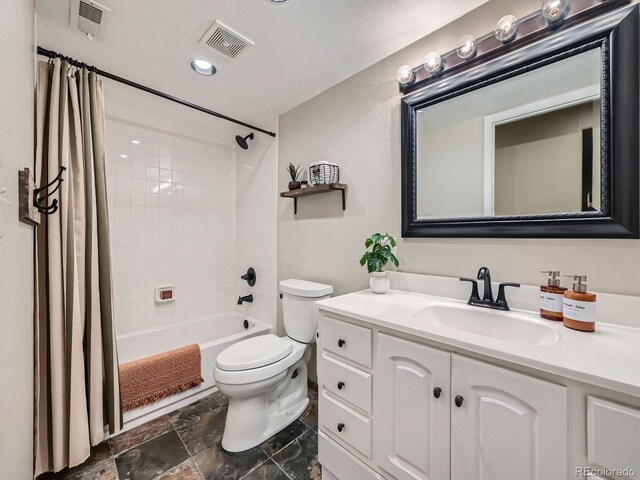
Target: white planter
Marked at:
379, 282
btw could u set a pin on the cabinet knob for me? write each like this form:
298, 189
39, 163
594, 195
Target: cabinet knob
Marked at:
340, 385
340, 427
341, 342
436, 392
459, 399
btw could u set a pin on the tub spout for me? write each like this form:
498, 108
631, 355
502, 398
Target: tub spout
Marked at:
246, 298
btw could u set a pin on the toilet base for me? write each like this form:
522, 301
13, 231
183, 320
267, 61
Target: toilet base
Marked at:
252, 420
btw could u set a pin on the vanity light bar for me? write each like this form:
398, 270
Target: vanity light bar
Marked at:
509, 33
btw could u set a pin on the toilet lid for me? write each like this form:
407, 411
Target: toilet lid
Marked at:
253, 353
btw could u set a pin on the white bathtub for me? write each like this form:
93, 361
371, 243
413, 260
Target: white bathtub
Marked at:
213, 334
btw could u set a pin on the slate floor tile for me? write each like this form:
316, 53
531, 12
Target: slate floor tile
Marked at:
140, 434
267, 471
284, 437
99, 465
152, 458
299, 460
205, 432
191, 413
216, 464
185, 471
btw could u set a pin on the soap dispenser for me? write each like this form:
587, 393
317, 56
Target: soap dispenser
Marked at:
551, 297
579, 306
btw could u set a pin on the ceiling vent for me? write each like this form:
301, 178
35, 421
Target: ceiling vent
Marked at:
224, 40
89, 17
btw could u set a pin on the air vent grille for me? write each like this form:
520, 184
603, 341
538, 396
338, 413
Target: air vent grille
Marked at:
90, 12
226, 41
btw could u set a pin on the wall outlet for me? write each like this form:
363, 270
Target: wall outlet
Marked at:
165, 294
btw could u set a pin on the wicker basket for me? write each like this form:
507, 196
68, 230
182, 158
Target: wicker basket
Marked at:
323, 173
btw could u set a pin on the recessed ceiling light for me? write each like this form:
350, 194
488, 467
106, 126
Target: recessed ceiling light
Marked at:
122, 155
135, 142
278, 1
203, 67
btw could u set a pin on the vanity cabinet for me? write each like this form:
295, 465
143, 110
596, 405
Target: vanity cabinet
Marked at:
433, 414
412, 430
505, 425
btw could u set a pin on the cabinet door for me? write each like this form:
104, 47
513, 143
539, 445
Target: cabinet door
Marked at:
411, 425
508, 425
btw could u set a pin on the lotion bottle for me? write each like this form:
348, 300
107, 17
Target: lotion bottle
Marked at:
579, 306
552, 297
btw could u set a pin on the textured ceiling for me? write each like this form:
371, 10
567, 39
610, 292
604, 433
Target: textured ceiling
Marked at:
301, 47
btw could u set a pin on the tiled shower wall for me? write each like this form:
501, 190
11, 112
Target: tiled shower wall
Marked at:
172, 215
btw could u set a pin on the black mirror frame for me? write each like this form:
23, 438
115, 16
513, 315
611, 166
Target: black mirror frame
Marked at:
617, 34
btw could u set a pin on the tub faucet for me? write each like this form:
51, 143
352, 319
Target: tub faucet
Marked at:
246, 298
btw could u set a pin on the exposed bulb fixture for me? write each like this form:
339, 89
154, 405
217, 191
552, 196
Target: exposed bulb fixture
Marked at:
506, 28
242, 141
554, 10
203, 67
433, 62
466, 47
405, 75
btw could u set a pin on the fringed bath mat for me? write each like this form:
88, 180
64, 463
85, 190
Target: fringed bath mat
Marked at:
146, 380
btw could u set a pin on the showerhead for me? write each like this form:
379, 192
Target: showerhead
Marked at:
242, 141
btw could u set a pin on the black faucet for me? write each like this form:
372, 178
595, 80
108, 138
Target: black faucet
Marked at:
246, 298
487, 301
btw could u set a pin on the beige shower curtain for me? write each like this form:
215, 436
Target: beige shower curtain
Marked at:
76, 365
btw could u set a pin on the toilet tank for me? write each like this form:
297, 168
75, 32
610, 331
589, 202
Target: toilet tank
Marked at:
299, 310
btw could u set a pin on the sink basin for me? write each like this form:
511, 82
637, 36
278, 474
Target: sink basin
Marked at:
506, 326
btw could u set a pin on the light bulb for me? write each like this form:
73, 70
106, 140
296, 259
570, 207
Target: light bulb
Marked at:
433, 62
466, 47
506, 28
405, 75
554, 10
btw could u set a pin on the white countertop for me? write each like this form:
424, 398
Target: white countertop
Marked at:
609, 357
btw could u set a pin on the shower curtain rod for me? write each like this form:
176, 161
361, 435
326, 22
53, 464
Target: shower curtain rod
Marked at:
51, 54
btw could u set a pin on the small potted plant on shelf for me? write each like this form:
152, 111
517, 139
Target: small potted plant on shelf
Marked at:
381, 252
294, 172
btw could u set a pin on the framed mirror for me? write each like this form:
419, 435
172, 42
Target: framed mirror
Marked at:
539, 142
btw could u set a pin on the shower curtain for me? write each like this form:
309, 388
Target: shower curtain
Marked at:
76, 366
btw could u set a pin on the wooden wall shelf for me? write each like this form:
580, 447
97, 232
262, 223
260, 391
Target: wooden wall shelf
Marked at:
303, 192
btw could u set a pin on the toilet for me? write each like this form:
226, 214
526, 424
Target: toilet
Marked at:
265, 377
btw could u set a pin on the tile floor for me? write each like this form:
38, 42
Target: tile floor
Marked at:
185, 445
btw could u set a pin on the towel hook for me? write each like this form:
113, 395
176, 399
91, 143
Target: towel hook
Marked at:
39, 202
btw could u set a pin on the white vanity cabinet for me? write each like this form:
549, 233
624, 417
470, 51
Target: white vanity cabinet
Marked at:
413, 398
504, 425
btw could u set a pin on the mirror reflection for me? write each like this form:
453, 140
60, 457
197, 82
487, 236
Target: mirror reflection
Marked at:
528, 145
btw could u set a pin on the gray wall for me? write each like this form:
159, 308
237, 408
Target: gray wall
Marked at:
357, 125
16, 245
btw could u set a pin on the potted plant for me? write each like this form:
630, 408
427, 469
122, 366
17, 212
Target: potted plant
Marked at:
381, 252
294, 172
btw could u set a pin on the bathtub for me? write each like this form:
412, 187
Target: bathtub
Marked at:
213, 334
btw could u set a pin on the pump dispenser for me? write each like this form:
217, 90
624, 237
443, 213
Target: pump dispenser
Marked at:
551, 297
579, 306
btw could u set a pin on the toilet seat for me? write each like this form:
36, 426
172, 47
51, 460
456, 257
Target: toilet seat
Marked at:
253, 352
241, 377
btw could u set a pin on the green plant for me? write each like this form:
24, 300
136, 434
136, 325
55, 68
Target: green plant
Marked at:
294, 172
381, 252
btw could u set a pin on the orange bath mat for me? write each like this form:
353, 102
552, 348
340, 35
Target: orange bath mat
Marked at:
146, 380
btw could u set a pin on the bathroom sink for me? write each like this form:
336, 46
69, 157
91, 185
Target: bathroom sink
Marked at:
506, 326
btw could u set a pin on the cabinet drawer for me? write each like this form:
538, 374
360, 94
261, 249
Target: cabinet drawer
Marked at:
347, 382
338, 464
613, 434
345, 424
347, 340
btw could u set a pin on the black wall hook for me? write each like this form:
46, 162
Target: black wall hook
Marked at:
39, 202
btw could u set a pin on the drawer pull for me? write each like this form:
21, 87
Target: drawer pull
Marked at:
340, 427
341, 342
340, 385
436, 392
459, 399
